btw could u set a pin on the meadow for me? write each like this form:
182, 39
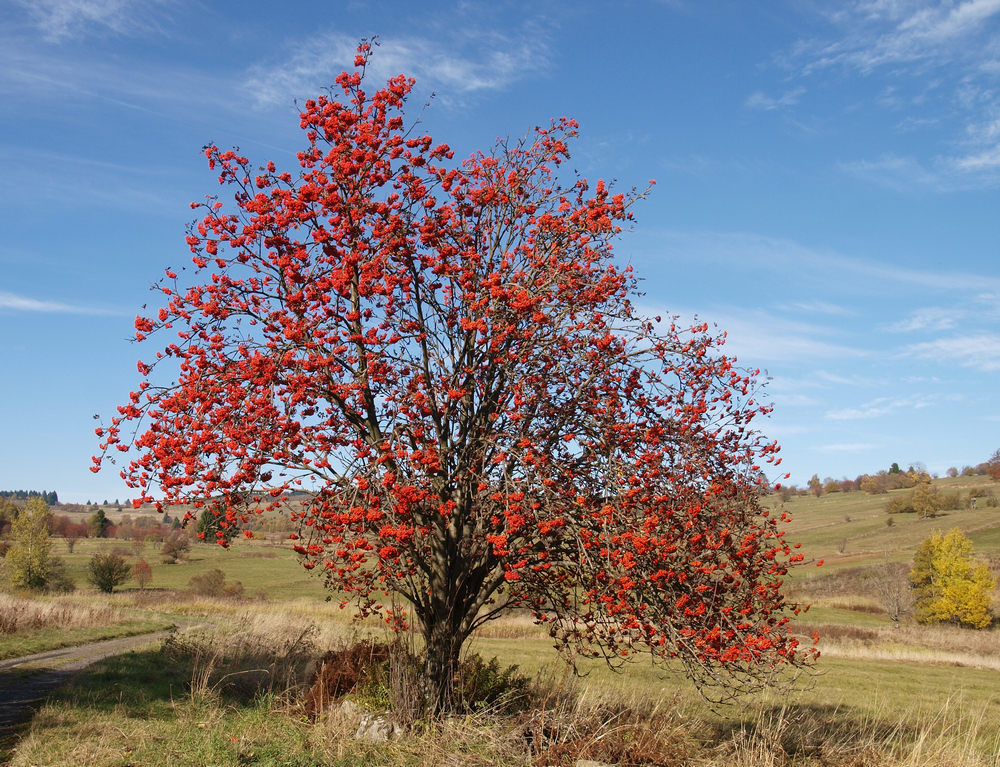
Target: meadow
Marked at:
917, 695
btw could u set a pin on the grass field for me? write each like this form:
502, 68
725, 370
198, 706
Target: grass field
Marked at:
916, 696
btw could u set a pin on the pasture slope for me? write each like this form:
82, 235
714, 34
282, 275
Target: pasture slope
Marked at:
918, 695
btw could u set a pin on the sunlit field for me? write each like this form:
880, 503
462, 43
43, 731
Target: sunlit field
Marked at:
914, 695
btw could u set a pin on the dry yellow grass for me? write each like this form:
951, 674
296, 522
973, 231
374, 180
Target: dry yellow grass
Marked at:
19, 614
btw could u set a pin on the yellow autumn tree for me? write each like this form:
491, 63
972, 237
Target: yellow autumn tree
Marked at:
950, 584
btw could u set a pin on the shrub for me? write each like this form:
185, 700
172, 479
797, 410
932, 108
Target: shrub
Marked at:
142, 573
951, 501
105, 571
59, 580
174, 548
899, 504
926, 500
213, 584
484, 684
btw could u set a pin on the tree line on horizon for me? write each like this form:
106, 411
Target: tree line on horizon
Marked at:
884, 480
50, 498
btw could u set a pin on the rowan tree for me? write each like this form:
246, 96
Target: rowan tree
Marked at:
950, 584
448, 360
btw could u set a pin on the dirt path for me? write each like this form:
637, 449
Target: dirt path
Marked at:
27, 680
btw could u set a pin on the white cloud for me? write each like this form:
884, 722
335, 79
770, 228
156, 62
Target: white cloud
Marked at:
787, 257
904, 174
944, 49
492, 63
59, 19
846, 448
759, 101
21, 303
822, 307
833, 378
932, 318
885, 32
980, 351
757, 337
876, 408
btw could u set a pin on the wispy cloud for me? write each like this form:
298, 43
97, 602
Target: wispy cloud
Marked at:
876, 408
944, 50
784, 256
490, 63
903, 174
932, 318
981, 350
24, 304
846, 448
834, 378
887, 32
821, 307
61, 19
758, 337
759, 101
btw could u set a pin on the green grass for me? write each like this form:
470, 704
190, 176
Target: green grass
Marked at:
279, 578
138, 709
820, 524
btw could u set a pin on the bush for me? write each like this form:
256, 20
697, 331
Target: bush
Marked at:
59, 580
106, 571
142, 573
174, 548
484, 684
900, 504
213, 584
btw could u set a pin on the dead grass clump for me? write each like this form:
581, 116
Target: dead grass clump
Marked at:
517, 626
339, 672
831, 632
21, 614
239, 666
858, 607
847, 581
609, 734
259, 555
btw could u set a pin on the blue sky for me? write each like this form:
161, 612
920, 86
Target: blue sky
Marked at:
827, 187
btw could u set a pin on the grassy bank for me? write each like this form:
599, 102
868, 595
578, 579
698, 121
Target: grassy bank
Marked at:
236, 698
37, 624
917, 695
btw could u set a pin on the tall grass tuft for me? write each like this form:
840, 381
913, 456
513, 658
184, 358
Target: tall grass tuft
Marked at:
21, 614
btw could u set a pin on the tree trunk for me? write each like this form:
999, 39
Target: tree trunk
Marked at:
440, 666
